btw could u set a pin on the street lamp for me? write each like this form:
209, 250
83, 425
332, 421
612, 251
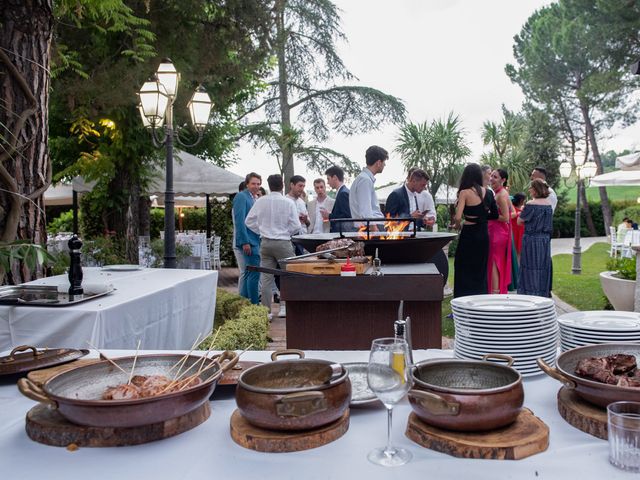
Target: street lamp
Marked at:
583, 174
156, 109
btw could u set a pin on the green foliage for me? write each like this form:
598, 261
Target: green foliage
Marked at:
157, 250
626, 267
103, 251
632, 212
21, 253
438, 147
249, 330
228, 306
564, 217
62, 223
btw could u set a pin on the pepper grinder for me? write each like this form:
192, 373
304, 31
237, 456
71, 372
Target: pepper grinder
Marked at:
75, 268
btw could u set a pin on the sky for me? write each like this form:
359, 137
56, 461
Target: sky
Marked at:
438, 56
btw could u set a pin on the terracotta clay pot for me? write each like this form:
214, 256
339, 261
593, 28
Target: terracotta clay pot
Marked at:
296, 394
466, 395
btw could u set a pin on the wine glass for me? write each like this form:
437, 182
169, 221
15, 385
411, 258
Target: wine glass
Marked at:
389, 378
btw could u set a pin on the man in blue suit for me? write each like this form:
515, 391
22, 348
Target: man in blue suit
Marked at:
247, 240
335, 179
403, 201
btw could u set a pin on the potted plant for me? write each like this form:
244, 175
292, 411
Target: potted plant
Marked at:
619, 283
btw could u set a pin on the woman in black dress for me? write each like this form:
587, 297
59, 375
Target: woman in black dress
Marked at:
476, 204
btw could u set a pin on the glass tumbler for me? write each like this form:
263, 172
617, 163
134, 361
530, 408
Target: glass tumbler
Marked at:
623, 420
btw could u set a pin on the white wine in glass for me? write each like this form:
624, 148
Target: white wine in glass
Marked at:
389, 378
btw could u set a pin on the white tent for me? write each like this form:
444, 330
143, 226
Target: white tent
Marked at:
628, 175
442, 196
192, 177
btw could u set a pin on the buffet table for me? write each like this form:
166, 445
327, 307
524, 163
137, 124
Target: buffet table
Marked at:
345, 313
208, 451
164, 309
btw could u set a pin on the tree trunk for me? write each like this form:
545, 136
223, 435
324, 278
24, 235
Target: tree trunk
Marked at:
25, 170
285, 109
587, 213
604, 198
133, 219
144, 215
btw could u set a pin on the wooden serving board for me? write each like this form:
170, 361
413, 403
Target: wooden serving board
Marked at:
581, 414
45, 425
40, 376
323, 267
527, 436
273, 441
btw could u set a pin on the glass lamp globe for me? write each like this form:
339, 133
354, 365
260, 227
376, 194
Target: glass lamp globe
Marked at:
168, 76
565, 169
153, 101
200, 108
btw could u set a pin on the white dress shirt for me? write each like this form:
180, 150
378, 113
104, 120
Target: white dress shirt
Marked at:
301, 207
553, 199
274, 217
413, 200
363, 201
426, 203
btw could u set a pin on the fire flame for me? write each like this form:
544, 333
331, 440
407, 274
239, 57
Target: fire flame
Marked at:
393, 230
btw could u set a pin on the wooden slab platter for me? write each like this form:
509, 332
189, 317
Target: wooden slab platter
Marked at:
324, 267
581, 414
262, 440
527, 436
47, 426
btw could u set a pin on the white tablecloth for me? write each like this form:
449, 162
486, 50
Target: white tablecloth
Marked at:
208, 451
163, 308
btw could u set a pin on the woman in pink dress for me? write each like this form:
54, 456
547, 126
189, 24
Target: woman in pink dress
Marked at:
499, 264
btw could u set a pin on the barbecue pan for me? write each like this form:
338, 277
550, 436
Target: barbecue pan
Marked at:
77, 393
598, 393
466, 395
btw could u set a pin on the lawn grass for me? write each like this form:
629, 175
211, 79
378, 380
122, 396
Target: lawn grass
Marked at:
582, 291
617, 193
448, 329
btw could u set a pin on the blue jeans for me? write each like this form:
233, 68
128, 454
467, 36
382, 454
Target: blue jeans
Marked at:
250, 280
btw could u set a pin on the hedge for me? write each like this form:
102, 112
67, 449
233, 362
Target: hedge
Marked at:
228, 306
564, 218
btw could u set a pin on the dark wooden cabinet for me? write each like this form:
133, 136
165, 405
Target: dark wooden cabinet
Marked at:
347, 313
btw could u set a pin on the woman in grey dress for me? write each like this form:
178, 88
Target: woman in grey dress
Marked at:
535, 257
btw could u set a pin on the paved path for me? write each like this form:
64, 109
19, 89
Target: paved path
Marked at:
565, 245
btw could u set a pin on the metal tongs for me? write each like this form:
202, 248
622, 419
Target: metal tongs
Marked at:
326, 254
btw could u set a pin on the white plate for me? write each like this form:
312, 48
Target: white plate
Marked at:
517, 335
506, 322
122, 268
502, 303
529, 370
604, 320
500, 326
506, 314
600, 337
508, 342
519, 354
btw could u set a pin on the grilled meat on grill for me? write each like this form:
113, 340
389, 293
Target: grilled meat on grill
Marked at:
354, 248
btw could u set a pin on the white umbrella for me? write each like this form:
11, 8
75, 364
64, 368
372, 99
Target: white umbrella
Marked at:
618, 177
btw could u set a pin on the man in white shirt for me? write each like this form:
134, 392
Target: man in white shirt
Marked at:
296, 191
274, 217
363, 201
320, 208
541, 173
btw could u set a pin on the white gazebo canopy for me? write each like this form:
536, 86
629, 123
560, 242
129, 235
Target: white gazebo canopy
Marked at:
192, 177
628, 175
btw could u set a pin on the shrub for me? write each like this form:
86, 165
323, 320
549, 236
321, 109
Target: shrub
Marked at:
249, 330
632, 212
157, 251
62, 223
103, 251
228, 306
626, 267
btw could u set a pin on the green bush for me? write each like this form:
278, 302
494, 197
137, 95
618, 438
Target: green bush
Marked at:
103, 251
157, 250
228, 306
564, 217
626, 267
62, 223
632, 212
248, 331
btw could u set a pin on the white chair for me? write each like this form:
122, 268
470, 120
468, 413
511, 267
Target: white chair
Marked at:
215, 253
615, 247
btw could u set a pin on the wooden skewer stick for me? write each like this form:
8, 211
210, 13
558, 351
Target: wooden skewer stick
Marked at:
135, 358
184, 359
107, 358
201, 370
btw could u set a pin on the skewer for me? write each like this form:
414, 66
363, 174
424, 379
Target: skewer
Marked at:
184, 358
135, 359
197, 374
107, 358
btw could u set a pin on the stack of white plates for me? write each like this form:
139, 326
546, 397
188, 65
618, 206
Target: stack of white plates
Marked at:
521, 326
600, 326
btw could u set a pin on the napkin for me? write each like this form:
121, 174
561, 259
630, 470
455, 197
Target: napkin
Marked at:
89, 287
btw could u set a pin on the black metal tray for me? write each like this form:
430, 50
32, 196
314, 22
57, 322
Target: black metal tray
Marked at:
43, 296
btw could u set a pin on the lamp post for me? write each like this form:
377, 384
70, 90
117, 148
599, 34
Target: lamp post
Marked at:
583, 174
157, 96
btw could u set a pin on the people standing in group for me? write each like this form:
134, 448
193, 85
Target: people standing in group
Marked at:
237, 251
319, 208
535, 258
486, 176
541, 173
295, 194
517, 202
403, 201
363, 201
499, 265
245, 239
335, 179
275, 219
623, 228
474, 207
